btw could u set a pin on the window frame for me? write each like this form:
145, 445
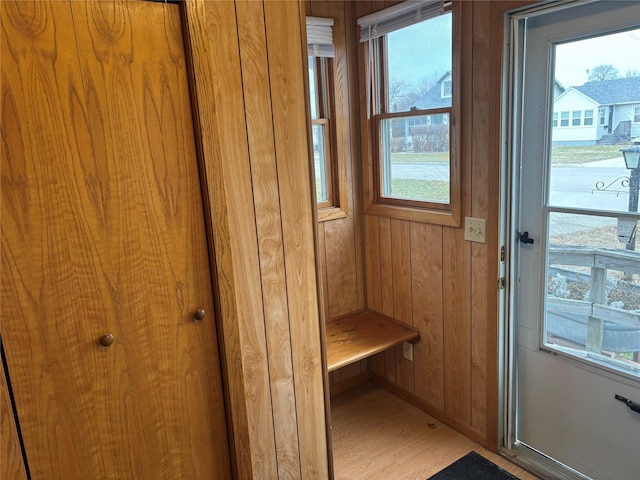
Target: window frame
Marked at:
636, 114
587, 120
324, 93
576, 118
374, 203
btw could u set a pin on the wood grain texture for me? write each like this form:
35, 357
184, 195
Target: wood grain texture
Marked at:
457, 328
296, 202
452, 292
11, 460
402, 295
222, 136
357, 336
264, 176
345, 290
110, 239
379, 436
428, 318
484, 294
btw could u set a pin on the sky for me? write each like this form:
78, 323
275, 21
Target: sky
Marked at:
420, 51
622, 50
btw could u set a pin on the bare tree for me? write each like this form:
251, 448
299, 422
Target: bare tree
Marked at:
603, 72
632, 73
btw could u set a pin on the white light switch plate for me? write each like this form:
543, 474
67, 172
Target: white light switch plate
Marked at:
475, 229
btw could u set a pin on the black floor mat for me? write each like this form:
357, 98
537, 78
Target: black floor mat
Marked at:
473, 466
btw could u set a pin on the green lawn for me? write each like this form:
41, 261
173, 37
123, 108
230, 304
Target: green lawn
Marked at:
428, 190
401, 157
586, 154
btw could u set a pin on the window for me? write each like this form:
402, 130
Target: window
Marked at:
321, 135
412, 92
330, 173
636, 114
564, 119
446, 88
576, 118
555, 119
588, 118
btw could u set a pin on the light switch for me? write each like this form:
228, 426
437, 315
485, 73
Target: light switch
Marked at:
475, 229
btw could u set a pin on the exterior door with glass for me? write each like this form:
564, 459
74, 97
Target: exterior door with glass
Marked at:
576, 269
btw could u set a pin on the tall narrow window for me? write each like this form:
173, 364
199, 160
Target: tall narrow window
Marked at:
321, 50
412, 88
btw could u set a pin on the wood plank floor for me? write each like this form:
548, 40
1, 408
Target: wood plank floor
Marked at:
376, 435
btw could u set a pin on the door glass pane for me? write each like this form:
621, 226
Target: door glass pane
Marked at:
593, 290
587, 166
592, 277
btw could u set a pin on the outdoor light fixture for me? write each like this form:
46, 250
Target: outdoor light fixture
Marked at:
631, 155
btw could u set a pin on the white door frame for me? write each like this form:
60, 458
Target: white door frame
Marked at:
509, 209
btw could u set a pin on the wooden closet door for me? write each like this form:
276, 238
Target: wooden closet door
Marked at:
103, 234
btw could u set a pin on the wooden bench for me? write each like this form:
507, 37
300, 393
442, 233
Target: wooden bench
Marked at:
359, 335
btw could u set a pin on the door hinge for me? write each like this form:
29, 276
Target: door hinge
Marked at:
502, 283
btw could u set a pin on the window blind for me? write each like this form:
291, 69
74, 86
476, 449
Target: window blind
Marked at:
320, 37
399, 16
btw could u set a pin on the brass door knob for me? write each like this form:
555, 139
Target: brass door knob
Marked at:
199, 315
106, 340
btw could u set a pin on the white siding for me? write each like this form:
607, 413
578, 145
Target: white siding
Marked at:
573, 101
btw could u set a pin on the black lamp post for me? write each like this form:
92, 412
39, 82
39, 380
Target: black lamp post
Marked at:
631, 156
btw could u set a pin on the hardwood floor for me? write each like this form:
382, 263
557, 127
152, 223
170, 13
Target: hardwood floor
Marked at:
376, 435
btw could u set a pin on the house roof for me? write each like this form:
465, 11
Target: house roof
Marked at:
433, 98
612, 92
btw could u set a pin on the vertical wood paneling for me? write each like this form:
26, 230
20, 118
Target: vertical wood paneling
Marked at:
457, 327
373, 276
289, 108
386, 282
342, 280
402, 294
484, 180
342, 236
427, 280
322, 248
372, 263
264, 176
452, 289
212, 31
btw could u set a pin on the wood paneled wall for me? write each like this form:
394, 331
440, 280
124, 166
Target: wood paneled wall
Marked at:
250, 92
429, 276
426, 274
340, 240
